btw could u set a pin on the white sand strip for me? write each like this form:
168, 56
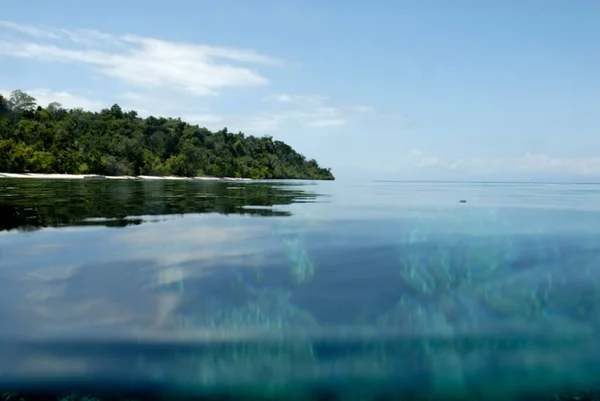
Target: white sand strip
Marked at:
94, 176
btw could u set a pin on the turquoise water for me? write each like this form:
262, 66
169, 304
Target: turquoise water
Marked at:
304, 289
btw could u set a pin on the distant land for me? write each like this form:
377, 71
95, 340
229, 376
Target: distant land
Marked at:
113, 142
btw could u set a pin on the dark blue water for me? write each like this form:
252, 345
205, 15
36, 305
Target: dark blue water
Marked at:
273, 289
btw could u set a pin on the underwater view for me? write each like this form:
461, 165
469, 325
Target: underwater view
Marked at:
158, 289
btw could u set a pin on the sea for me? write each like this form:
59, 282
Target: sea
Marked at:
304, 290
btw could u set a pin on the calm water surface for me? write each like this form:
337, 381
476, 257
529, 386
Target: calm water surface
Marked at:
361, 289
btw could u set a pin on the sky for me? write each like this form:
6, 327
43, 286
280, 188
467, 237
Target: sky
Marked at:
390, 89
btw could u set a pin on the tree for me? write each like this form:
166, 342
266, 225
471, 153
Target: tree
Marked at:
20, 101
56, 110
4, 109
116, 142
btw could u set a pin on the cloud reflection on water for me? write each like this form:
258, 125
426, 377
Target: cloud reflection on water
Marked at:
132, 280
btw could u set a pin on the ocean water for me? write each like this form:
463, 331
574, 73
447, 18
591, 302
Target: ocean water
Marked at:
299, 290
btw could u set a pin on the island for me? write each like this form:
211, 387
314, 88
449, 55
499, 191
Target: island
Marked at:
114, 142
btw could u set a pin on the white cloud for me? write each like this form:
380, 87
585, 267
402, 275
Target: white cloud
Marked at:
419, 159
204, 119
533, 162
308, 111
527, 163
167, 79
311, 110
140, 61
299, 99
66, 99
132, 96
255, 125
29, 30
324, 122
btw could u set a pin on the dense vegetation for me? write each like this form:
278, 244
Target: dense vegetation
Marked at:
114, 142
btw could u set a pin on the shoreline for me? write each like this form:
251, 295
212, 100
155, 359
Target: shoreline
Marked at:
109, 177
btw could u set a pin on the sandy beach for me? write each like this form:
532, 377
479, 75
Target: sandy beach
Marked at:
100, 177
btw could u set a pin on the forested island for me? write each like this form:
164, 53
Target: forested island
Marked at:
113, 142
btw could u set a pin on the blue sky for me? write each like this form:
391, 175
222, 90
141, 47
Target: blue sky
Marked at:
493, 90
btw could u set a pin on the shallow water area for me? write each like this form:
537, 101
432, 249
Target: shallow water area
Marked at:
354, 290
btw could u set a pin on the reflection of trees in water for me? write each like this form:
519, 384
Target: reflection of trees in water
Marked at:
30, 204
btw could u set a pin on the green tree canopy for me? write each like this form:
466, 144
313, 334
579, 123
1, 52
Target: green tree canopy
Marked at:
117, 142
20, 101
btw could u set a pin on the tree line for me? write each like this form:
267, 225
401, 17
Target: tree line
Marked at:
52, 139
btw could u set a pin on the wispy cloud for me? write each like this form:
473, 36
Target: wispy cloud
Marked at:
420, 159
312, 110
29, 30
527, 163
68, 100
302, 99
284, 110
139, 61
170, 79
535, 162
